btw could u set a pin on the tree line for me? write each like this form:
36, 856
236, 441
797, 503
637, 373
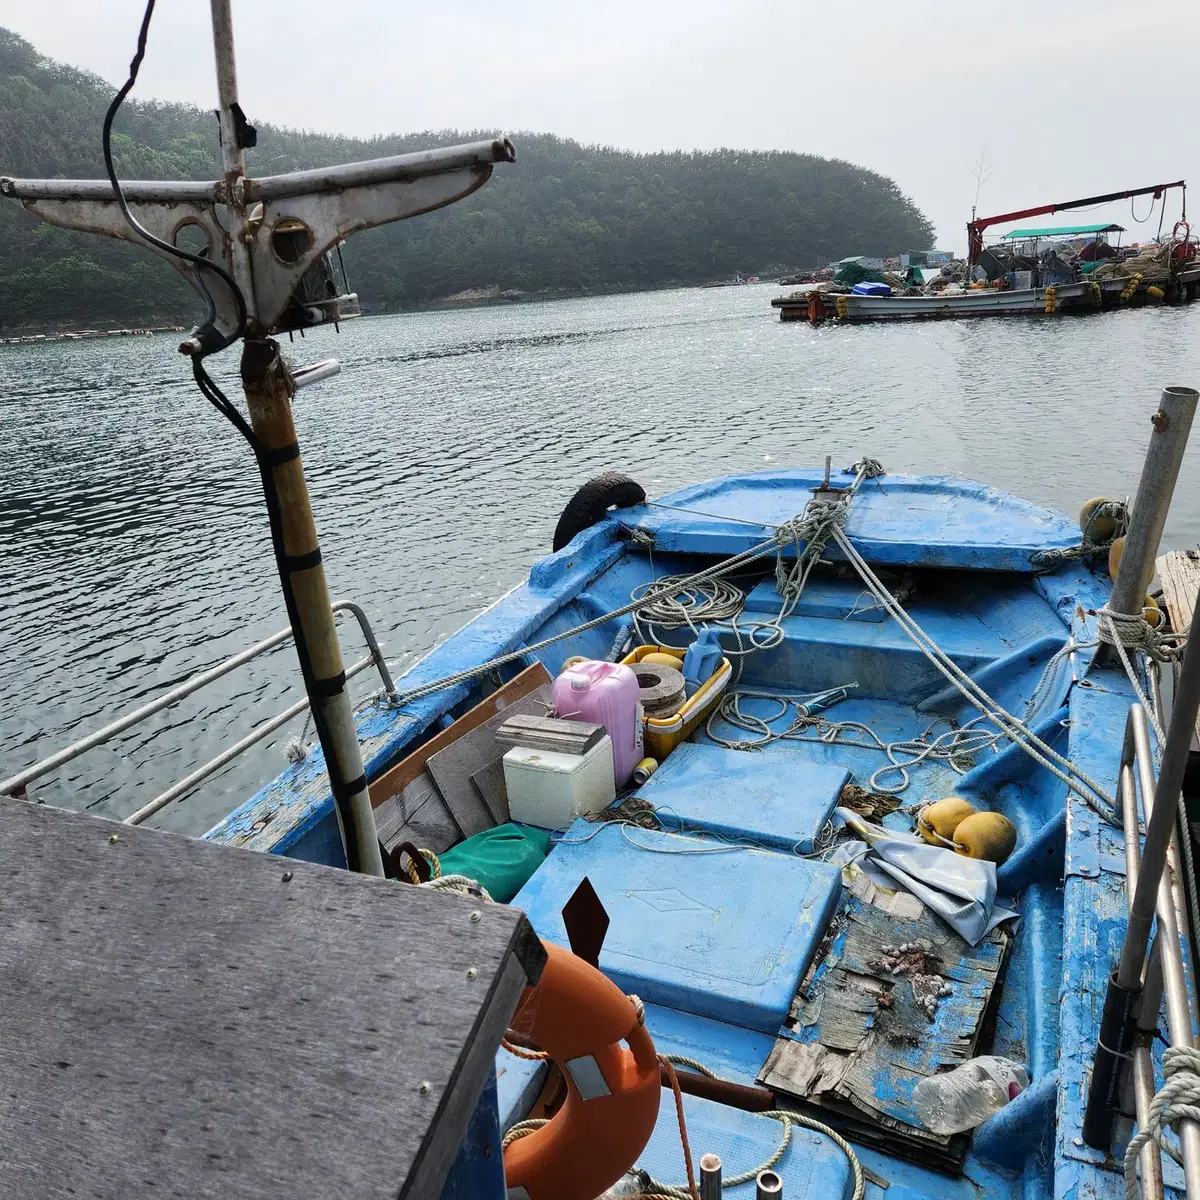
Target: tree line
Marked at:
564, 218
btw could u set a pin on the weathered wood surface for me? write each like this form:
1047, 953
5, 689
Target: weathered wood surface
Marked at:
390, 783
408, 804
1179, 573
451, 769
182, 1019
861, 1036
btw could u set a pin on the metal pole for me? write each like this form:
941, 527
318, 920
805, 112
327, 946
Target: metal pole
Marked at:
1143, 1064
200, 774
1161, 819
1179, 1013
1172, 423
768, 1186
710, 1177
233, 160
269, 390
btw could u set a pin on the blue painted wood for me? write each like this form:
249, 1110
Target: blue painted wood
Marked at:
812, 1165
834, 599
478, 1171
996, 619
781, 799
718, 931
895, 520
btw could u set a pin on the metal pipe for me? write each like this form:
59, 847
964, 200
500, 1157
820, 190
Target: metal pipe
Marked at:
383, 170
1161, 818
1143, 1093
46, 765
233, 159
135, 190
768, 1186
1172, 424
1143, 1065
407, 167
256, 735
710, 1177
327, 368
1179, 1013
194, 684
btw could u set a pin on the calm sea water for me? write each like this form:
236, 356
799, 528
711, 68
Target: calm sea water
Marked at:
133, 542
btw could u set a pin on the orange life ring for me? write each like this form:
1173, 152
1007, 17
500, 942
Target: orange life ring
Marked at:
580, 1019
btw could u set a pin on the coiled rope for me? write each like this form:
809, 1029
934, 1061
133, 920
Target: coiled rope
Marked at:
1177, 1099
1118, 510
1061, 767
782, 536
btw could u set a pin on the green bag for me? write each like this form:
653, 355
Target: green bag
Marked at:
501, 859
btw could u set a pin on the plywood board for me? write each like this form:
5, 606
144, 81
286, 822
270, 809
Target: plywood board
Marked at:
451, 768
182, 1018
392, 782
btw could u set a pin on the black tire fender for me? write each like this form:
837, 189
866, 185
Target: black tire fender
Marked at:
588, 506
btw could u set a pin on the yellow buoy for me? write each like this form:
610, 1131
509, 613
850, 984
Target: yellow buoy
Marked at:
1151, 613
987, 835
1156, 294
937, 822
1101, 528
659, 659
1114, 558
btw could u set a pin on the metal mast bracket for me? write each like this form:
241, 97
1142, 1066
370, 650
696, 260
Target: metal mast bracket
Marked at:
291, 220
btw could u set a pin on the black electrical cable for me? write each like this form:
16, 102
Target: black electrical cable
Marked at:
198, 259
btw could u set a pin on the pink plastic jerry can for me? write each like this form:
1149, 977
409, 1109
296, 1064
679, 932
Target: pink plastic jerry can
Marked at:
606, 694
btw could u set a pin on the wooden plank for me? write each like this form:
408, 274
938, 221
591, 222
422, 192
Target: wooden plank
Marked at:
451, 768
491, 786
390, 783
1179, 573
418, 814
180, 1018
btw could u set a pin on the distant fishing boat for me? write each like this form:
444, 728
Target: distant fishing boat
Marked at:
1051, 271
719, 852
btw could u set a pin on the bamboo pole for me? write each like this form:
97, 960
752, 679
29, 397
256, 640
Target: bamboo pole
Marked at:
269, 390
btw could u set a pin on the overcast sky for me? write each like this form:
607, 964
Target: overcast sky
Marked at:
1070, 97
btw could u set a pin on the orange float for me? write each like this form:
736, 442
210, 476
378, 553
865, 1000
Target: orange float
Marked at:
580, 1019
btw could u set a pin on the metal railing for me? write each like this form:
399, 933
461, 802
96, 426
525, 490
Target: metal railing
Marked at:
1145, 974
15, 784
1162, 971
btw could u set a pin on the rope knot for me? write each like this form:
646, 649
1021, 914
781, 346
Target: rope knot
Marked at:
869, 468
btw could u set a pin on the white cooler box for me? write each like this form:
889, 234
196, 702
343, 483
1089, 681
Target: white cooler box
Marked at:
550, 789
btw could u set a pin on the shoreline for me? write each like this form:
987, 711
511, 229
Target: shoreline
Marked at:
476, 298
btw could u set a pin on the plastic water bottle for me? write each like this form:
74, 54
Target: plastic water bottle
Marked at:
968, 1095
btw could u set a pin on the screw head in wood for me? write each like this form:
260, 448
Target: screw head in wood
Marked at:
471, 972
425, 1088
477, 915
287, 877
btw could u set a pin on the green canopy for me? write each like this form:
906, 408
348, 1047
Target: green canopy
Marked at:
1061, 231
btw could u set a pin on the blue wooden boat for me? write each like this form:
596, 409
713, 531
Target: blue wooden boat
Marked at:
801, 964
727, 920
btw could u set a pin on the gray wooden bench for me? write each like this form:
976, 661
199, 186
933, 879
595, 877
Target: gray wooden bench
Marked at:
181, 1019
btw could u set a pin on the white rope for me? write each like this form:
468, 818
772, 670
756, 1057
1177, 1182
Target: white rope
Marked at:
956, 746
1178, 1098
1076, 780
458, 883
819, 519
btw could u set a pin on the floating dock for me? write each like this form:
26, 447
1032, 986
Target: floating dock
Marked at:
1083, 297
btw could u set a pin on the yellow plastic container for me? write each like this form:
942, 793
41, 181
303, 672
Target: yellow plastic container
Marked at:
664, 732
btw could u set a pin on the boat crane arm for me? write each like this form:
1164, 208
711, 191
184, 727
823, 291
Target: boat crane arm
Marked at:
977, 225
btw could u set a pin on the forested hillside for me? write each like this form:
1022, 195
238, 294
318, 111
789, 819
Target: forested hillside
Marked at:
564, 217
